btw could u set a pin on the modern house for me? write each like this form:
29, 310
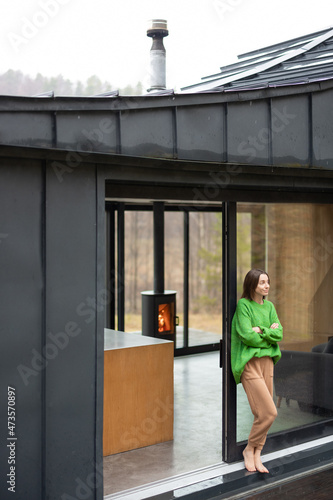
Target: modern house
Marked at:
249, 149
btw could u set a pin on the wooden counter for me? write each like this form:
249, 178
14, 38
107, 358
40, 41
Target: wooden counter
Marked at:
138, 391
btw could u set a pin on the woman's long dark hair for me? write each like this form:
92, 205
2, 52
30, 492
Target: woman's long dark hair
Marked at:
251, 281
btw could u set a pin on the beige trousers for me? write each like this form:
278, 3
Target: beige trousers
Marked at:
257, 380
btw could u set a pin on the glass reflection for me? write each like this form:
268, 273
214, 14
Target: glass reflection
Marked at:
294, 243
205, 278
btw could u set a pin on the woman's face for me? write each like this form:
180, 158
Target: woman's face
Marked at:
263, 286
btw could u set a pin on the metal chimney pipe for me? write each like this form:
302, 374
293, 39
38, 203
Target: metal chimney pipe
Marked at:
157, 30
158, 246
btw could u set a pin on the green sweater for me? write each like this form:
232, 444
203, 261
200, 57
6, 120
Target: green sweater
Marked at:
246, 343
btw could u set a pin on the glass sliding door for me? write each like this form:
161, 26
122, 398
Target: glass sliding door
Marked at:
294, 244
205, 278
192, 268
138, 269
174, 265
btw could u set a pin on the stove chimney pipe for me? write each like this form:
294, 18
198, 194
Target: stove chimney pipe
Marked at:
158, 246
157, 30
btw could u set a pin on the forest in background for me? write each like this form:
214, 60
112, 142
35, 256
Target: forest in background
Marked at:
16, 83
205, 258
205, 263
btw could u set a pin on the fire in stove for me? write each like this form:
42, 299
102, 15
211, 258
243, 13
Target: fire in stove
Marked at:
164, 318
159, 314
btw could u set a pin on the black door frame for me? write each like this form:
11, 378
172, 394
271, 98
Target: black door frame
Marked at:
229, 294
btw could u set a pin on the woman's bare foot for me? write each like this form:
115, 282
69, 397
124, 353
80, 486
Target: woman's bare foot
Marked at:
248, 454
258, 463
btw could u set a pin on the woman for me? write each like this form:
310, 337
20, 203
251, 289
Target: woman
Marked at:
255, 332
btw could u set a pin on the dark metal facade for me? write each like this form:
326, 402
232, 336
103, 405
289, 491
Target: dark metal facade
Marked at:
51, 328
289, 126
53, 295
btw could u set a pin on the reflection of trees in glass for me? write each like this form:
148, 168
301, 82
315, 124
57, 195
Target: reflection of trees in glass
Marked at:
138, 257
133, 261
207, 293
174, 255
293, 240
243, 249
251, 240
210, 263
205, 257
258, 236
292, 227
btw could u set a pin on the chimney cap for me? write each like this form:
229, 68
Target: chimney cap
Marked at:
157, 28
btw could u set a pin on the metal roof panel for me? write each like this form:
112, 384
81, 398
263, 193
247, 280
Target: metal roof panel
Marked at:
292, 61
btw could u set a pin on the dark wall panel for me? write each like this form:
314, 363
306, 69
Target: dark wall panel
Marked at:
249, 132
147, 132
290, 122
21, 300
73, 304
323, 129
200, 132
26, 129
82, 131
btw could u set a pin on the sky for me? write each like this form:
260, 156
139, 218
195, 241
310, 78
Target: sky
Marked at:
107, 38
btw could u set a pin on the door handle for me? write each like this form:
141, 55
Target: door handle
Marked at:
221, 353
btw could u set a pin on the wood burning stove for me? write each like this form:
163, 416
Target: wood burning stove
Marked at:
159, 314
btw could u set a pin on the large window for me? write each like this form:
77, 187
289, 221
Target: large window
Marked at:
192, 268
174, 265
294, 244
205, 278
138, 267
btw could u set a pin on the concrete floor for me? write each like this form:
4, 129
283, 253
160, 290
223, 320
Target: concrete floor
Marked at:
197, 430
197, 439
